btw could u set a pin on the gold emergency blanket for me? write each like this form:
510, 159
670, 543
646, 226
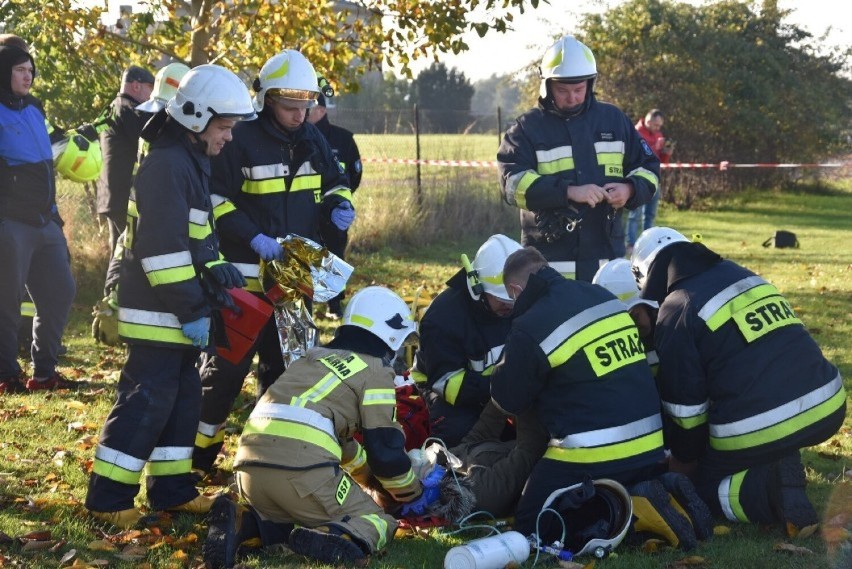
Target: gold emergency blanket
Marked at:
307, 270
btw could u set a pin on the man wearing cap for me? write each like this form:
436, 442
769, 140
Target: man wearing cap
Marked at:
278, 177
119, 145
343, 145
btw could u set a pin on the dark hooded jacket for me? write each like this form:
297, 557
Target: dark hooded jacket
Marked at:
27, 180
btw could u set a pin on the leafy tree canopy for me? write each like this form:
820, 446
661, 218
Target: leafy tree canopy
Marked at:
80, 59
735, 81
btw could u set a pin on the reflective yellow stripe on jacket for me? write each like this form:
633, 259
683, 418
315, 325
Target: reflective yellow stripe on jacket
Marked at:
295, 423
611, 443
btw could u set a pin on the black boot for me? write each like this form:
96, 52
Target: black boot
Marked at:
789, 499
686, 496
327, 545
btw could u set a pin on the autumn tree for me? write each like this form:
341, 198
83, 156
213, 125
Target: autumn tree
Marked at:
736, 81
80, 57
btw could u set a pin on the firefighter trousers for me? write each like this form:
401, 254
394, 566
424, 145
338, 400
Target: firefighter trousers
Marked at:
742, 485
322, 496
38, 258
152, 422
221, 383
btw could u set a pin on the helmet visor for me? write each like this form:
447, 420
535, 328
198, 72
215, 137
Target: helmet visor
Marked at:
297, 98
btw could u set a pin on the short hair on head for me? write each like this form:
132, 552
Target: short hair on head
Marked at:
521, 264
14, 40
654, 113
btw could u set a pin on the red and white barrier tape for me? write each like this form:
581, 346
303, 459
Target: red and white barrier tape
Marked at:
724, 165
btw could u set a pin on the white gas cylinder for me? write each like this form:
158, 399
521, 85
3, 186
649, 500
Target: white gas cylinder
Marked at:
492, 552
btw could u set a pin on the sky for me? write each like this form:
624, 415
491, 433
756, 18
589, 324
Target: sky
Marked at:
535, 29
534, 32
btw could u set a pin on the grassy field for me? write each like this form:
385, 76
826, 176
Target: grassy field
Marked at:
46, 440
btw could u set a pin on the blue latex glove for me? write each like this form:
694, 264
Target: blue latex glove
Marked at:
267, 247
431, 493
197, 331
227, 274
343, 215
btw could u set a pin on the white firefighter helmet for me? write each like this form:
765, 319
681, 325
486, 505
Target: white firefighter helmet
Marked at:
617, 277
166, 83
569, 61
287, 76
596, 513
206, 92
381, 312
648, 245
488, 267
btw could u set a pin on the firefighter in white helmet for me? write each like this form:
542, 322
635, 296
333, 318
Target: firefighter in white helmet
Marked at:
166, 82
744, 385
298, 442
572, 164
617, 277
165, 306
279, 176
461, 338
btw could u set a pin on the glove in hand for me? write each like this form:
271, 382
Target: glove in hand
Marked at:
268, 248
227, 275
197, 331
343, 215
430, 495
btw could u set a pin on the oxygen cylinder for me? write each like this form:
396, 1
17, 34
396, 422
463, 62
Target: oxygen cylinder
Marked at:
492, 552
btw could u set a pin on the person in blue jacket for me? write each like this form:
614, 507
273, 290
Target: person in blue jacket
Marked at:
33, 250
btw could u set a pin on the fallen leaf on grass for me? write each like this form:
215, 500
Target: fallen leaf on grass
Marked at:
78, 405
38, 545
35, 536
654, 545
792, 549
101, 545
691, 561
71, 554
721, 530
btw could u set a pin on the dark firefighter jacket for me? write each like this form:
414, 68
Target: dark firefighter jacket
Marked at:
574, 356
543, 153
308, 417
169, 237
738, 370
345, 150
120, 148
460, 342
271, 182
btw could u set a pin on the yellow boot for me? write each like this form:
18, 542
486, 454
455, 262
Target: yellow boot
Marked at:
123, 519
199, 505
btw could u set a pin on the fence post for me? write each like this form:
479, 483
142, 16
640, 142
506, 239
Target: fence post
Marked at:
499, 126
418, 195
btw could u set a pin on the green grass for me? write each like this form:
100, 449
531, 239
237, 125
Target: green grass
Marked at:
46, 439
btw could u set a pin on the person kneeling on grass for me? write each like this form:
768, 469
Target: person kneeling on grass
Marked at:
743, 384
298, 442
